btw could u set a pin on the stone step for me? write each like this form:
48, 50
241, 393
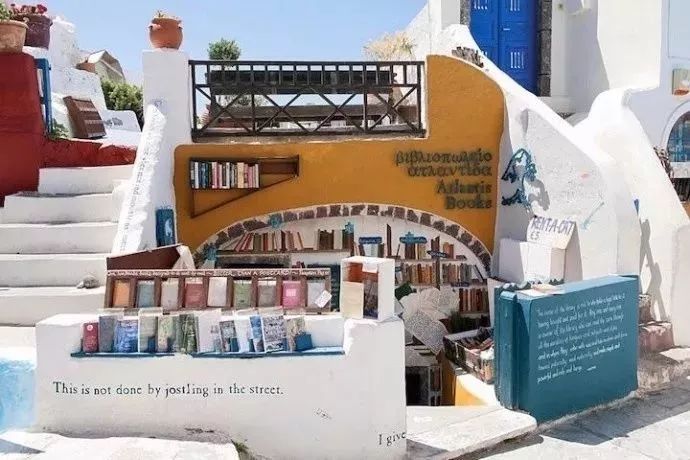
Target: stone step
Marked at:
28, 270
27, 306
655, 337
100, 179
74, 238
31, 207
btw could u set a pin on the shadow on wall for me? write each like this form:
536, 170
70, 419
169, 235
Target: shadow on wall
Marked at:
655, 276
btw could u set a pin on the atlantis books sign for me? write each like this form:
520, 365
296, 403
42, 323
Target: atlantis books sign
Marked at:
463, 178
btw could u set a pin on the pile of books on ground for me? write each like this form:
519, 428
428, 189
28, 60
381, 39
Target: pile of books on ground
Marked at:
149, 330
474, 351
474, 299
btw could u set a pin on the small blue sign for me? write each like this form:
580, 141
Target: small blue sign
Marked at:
409, 238
165, 227
438, 255
370, 240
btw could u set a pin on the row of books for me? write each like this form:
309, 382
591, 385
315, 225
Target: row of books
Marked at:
292, 294
217, 175
450, 273
474, 300
206, 331
271, 241
334, 239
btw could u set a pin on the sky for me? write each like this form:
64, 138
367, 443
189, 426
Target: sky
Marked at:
265, 29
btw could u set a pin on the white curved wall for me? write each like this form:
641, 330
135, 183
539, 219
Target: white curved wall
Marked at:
615, 129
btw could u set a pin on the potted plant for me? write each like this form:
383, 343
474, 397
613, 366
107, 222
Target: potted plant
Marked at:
38, 33
165, 31
12, 33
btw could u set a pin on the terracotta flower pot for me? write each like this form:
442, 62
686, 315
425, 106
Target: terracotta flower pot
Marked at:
38, 34
12, 36
165, 33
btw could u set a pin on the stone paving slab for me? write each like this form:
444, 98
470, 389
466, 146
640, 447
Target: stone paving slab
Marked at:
16, 445
449, 432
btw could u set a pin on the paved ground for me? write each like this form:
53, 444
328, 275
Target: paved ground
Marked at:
654, 427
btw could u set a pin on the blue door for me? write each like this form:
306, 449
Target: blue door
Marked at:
506, 31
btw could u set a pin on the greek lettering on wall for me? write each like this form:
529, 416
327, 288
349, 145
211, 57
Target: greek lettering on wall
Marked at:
463, 179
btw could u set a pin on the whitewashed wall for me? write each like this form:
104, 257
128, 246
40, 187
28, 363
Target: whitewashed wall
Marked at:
350, 406
616, 130
655, 106
580, 181
167, 125
608, 44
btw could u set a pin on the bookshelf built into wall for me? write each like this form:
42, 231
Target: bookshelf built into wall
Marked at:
421, 261
234, 178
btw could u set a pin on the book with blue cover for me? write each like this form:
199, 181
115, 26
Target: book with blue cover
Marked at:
257, 333
127, 335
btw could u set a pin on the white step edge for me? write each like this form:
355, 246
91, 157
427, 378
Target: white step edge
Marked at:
74, 238
43, 208
35, 270
28, 306
98, 179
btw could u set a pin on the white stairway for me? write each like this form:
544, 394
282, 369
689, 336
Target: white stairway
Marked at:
51, 239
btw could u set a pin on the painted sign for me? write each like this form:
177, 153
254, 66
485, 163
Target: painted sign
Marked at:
409, 238
370, 240
521, 169
463, 178
567, 352
681, 82
552, 232
437, 254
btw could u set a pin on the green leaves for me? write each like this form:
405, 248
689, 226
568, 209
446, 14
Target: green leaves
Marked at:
123, 96
224, 50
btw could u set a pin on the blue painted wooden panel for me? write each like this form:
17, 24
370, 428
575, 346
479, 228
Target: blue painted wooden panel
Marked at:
561, 354
484, 26
506, 31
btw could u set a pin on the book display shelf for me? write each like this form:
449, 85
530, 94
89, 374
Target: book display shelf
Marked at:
237, 177
234, 289
420, 262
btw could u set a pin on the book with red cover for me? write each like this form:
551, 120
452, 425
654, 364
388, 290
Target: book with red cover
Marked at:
292, 295
90, 338
193, 294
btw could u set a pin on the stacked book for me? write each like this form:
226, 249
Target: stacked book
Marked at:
447, 248
682, 188
207, 331
415, 251
457, 274
474, 300
219, 175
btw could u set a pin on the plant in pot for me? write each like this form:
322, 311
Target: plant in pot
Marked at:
165, 31
12, 33
38, 33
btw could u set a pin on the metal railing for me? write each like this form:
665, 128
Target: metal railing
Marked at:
259, 98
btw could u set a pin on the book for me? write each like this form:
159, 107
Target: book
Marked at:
314, 290
106, 331
208, 330
193, 293
257, 337
228, 336
121, 293
169, 291
370, 285
188, 328
89, 342
145, 297
267, 294
165, 334
352, 299
127, 335
177, 334
217, 291
273, 332
243, 330
294, 327
292, 294
148, 324
242, 294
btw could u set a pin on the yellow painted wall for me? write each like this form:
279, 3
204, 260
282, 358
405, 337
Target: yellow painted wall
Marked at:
465, 112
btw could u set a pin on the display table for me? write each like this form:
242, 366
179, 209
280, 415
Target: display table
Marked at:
346, 404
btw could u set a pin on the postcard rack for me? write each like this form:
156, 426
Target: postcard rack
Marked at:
125, 288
